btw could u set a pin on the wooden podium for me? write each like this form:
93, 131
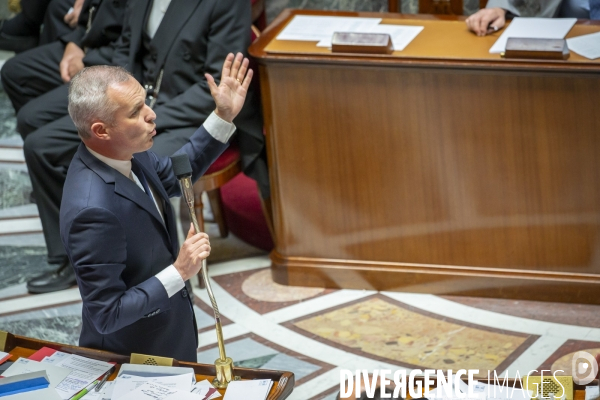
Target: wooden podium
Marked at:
439, 169
20, 346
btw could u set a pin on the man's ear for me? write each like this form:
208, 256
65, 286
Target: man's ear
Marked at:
99, 131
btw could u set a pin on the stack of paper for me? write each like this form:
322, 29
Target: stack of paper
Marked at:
321, 29
257, 389
206, 390
24, 368
4, 356
156, 391
105, 393
84, 372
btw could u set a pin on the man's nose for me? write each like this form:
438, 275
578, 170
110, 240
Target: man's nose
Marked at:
151, 116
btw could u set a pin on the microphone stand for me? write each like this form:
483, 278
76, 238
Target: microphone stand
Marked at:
223, 364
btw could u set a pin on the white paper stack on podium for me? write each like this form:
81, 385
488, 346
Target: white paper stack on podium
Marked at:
321, 29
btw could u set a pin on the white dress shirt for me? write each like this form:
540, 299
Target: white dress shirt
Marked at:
220, 130
159, 8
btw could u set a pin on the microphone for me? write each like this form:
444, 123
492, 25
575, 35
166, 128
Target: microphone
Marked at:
223, 365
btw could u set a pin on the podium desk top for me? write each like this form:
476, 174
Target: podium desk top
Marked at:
445, 41
21, 346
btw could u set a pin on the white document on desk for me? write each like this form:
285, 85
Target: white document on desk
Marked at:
105, 393
495, 392
128, 383
257, 389
317, 28
155, 391
401, 35
22, 366
83, 372
586, 45
45, 394
534, 28
204, 387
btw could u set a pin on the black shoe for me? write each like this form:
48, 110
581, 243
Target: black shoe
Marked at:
15, 43
62, 278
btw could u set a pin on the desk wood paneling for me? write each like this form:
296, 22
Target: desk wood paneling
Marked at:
442, 169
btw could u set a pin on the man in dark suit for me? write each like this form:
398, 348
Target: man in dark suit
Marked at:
35, 83
116, 221
168, 46
40, 22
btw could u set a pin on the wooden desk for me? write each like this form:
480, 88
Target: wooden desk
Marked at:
20, 346
439, 169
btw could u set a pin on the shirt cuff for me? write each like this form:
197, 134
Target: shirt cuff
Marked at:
171, 280
219, 128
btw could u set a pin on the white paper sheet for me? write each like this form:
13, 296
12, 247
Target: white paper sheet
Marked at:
257, 389
317, 28
495, 392
55, 358
586, 45
105, 392
401, 35
534, 28
45, 394
592, 392
22, 366
4, 356
126, 383
203, 387
83, 372
155, 391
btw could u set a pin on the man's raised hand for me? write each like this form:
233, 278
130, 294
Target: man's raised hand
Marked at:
231, 92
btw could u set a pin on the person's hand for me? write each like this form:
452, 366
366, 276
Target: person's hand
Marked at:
231, 92
72, 16
486, 20
72, 62
195, 249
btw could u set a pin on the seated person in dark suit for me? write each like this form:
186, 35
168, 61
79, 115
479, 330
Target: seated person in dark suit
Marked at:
116, 220
167, 46
493, 16
40, 22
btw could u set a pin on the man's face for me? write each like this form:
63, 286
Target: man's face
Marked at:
133, 125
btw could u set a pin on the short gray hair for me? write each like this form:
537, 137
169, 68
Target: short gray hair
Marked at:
88, 101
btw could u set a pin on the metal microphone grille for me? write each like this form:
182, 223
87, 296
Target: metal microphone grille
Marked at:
181, 165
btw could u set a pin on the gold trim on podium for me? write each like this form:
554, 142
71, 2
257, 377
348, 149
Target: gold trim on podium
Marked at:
151, 360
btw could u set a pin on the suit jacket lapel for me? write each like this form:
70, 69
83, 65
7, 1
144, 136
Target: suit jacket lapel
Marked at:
137, 23
178, 12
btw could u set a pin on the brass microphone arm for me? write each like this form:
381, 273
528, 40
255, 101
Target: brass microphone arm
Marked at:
224, 364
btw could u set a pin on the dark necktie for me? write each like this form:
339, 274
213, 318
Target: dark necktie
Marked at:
594, 9
137, 170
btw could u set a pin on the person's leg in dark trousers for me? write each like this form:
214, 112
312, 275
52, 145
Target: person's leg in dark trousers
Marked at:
43, 110
21, 32
32, 73
48, 152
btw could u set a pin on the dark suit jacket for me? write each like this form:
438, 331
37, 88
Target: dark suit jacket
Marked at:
117, 243
107, 23
194, 38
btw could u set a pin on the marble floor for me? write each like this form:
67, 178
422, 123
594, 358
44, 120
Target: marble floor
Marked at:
313, 332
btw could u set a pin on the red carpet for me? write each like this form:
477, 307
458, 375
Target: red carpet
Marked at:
243, 212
